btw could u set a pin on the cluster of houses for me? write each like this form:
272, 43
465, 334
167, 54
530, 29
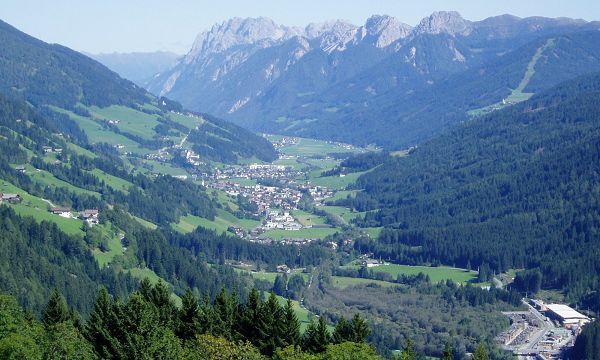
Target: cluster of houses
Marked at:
90, 216
191, 157
265, 197
285, 141
281, 220
256, 171
318, 193
50, 150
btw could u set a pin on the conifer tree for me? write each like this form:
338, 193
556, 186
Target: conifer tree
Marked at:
342, 332
291, 331
480, 353
409, 351
98, 329
447, 354
360, 329
189, 317
316, 337
56, 310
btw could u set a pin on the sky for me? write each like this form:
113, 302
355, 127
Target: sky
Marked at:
106, 26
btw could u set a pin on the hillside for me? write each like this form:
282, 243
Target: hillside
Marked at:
513, 189
371, 83
108, 108
75, 137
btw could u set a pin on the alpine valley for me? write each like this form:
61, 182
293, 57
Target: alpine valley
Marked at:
382, 191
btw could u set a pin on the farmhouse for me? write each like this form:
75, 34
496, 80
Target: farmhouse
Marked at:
90, 216
283, 269
371, 263
61, 211
11, 198
20, 168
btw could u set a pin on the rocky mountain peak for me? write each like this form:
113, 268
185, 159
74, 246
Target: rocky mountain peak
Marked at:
386, 29
238, 31
448, 22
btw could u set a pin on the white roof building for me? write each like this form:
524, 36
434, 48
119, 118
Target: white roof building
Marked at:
566, 314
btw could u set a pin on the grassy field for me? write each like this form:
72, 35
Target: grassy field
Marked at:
243, 181
312, 147
307, 219
38, 209
115, 248
146, 223
222, 221
311, 233
270, 276
373, 232
336, 182
436, 274
343, 194
343, 212
163, 168
112, 181
96, 133
343, 282
188, 121
130, 121
45, 178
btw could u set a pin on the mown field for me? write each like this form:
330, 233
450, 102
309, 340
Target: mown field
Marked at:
222, 221
436, 274
38, 209
310, 233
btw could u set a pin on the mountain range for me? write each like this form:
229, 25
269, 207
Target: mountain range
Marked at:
337, 80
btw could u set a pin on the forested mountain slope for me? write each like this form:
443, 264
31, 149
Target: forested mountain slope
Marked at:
74, 137
109, 108
513, 189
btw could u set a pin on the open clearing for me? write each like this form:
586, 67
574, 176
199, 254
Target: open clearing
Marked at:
436, 274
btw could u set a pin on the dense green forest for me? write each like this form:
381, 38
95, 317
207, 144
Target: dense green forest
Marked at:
148, 325
587, 345
514, 189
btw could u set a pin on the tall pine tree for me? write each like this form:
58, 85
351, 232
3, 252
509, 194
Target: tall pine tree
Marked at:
56, 310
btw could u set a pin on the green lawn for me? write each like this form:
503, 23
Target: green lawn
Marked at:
114, 182
343, 194
306, 218
336, 182
436, 274
312, 233
130, 120
343, 212
38, 209
187, 121
96, 133
45, 178
115, 247
343, 282
243, 181
373, 232
222, 221
312, 147
146, 223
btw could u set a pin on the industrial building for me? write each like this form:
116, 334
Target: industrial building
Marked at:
566, 315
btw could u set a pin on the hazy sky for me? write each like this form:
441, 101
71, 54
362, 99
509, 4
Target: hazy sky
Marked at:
147, 25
